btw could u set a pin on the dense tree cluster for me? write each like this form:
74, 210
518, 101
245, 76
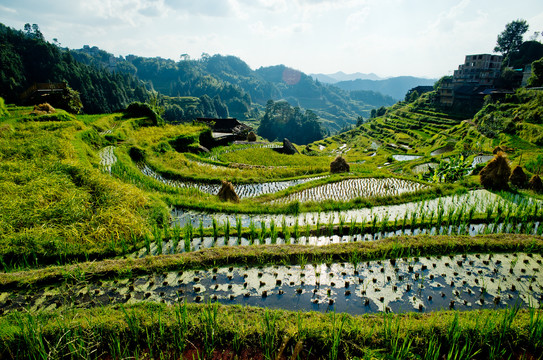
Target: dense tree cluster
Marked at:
281, 120
27, 58
240, 87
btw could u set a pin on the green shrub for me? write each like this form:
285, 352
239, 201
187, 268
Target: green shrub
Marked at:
92, 138
137, 154
138, 109
3, 108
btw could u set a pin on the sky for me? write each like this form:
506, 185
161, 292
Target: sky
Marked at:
426, 38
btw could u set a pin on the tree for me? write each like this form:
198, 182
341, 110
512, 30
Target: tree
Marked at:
537, 74
33, 31
510, 39
359, 121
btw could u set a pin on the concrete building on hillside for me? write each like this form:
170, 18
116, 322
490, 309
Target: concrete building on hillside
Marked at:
472, 81
478, 70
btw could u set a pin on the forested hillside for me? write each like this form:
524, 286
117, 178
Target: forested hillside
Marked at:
27, 58
231, 80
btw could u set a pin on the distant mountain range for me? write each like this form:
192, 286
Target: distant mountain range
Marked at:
209, 86
395, 87
341, 76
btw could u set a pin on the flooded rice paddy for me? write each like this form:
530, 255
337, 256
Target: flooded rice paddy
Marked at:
199, 243
406, 157
480, 200
481, 159
462, 282
423, 168
107, 158
242, 190
442, 150
350, 189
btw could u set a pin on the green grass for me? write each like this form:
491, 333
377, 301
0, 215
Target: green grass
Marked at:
270, 157
63, 220
160, 331
402, 246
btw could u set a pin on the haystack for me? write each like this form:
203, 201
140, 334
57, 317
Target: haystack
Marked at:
518, 177
496, 173
535, 184
43, 109
251, 136
496, 150
288, 148
339, 165
227, 192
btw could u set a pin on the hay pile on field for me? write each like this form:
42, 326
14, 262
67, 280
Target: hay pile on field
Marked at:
497, 149
227, 192
43, 109
518, 177
339, 165
289, 148
496, 173
251, 136
535, 184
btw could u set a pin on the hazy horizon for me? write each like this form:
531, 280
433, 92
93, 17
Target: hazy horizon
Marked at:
389, 38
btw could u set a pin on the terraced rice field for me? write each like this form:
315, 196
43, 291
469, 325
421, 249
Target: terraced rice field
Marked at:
422, 168
406, 157
350, 189
107, 158
442, 150
216, 154
461, 282
206, 242
481, 159
242, 190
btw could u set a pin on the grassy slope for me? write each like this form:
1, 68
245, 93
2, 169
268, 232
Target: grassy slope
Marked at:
57, 204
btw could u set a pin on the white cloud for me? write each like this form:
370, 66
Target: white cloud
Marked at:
278, 31
7, 9
355, 20
210, 8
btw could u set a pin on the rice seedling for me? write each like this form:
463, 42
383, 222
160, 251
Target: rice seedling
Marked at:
239, 229
215, 229
262, 232
252, 232
208, 318
269, 334
147, 241
181, 329
459, 346
352, 227
433, 349
201, 229
535, 326
285, 230
227, 230
384, 223
335, 335
176, 237
296, 231
188, 236
341, 224
273, 232
404, 222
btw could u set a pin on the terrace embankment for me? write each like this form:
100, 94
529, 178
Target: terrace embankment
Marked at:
461, 282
